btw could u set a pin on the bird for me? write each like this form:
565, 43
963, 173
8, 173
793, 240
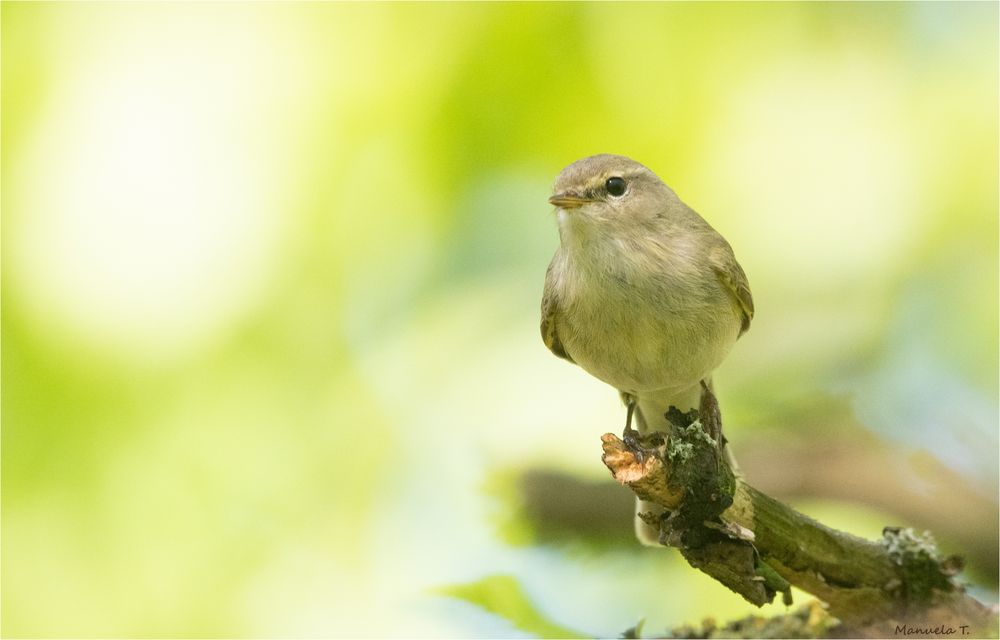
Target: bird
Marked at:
642, 293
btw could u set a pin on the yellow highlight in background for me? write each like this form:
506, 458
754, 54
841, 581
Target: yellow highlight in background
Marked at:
271, 278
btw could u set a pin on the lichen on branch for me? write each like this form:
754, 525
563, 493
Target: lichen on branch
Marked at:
758, 546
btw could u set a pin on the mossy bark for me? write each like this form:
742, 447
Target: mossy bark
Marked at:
758, 546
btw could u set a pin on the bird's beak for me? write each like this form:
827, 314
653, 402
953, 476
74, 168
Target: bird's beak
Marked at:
569, 200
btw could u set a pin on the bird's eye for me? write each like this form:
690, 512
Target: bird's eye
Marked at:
615, 186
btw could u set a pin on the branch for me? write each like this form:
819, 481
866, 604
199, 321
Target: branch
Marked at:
758, 546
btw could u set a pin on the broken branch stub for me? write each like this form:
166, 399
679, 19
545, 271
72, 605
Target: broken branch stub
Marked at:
758, 546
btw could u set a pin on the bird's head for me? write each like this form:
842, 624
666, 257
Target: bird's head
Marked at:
608, 195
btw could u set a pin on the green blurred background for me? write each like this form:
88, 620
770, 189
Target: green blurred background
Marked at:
271, 277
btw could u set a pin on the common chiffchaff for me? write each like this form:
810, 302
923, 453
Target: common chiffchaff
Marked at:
642, 292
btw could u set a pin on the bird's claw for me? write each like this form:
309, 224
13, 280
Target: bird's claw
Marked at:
631, 438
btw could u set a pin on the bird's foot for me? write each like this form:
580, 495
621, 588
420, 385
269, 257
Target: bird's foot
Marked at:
630, 436
632, 440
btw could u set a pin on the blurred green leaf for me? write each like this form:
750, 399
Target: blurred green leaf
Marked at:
502, 595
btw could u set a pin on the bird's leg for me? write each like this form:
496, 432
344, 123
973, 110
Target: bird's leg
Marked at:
711, 420
630, 436
711, 417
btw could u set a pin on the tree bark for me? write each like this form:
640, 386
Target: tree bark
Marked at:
898, 586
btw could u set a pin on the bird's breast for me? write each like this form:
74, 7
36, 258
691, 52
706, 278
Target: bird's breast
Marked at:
642, 329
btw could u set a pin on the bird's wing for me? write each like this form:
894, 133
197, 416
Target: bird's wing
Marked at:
550, 310
732, 277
